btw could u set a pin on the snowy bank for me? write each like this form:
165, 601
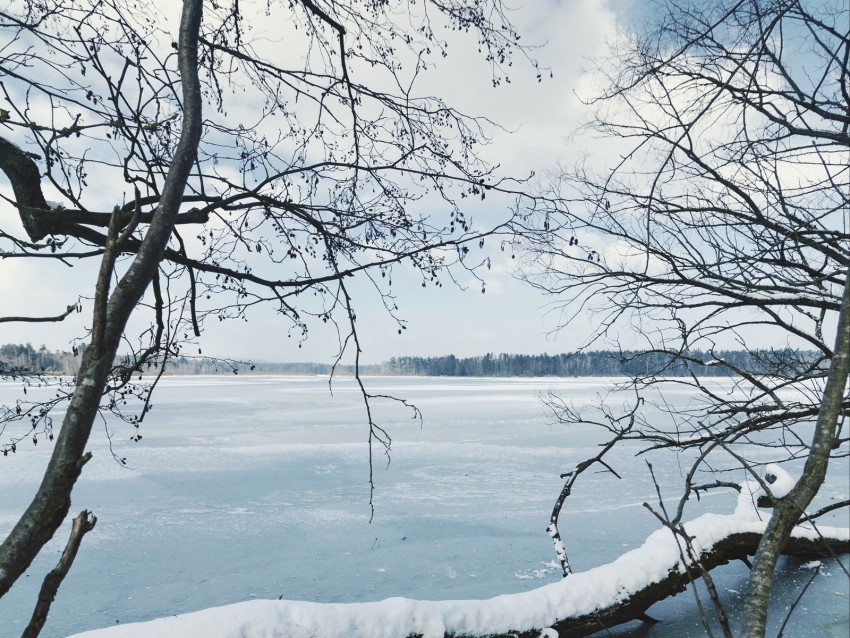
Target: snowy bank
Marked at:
578, 595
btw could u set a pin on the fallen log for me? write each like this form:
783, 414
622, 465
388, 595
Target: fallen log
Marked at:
734, 547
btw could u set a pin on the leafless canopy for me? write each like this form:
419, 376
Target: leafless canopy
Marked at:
319, 160
264, 153
724, 225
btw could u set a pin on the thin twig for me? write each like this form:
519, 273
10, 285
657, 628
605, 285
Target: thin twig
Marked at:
797, 600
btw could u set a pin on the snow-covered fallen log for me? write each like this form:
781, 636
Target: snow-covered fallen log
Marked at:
575, 606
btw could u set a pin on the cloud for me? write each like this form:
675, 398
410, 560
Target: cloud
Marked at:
538, 118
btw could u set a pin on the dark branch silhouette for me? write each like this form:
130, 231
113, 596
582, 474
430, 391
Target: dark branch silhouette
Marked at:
723, 226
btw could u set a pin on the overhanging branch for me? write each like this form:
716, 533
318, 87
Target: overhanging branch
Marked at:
40, 220
25, 177
71, 308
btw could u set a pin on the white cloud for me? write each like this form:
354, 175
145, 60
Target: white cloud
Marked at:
540, 116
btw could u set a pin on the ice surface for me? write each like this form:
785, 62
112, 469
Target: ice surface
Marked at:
247, 488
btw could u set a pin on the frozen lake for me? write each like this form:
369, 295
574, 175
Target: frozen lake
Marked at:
247, 487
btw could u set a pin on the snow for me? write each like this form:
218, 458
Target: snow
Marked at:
539, 608
780, 481
560, 550
777, 479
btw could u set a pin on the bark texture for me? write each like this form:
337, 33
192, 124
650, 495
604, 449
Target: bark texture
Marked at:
24, 176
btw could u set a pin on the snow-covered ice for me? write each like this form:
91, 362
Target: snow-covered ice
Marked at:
575, 595
246, 489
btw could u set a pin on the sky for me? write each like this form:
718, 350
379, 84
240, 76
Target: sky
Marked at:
539, 118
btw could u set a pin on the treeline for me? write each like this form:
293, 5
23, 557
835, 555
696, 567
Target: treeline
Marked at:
604, 363
203, 365
15, 358
19, 357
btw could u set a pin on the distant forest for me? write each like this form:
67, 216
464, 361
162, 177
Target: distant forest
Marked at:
17, 358
600, 363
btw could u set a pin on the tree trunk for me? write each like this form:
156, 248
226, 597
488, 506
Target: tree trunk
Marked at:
789, 509
53, 499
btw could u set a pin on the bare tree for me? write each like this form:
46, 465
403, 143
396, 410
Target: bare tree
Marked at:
219, 168
725, 225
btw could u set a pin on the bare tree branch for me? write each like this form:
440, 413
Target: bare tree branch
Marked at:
71, 308
82, 525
